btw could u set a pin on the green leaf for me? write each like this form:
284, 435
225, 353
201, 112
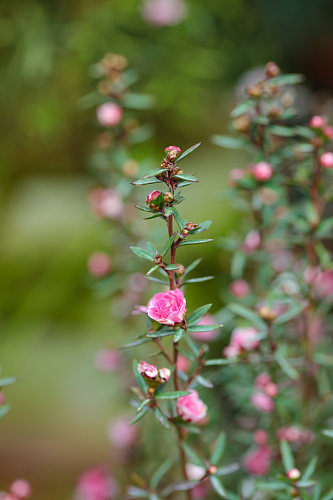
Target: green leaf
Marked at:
142, 182
292, 312
152, 269
188, 151
145, 209
228, 469
203, 226
325, 228
178, 218
198, 314
291, 79
328, 433
143, 404
140, 252
218, 486
194, 458
194, 242
186, 177
220, 362
203, 328
217, 453
282, 131
198, 280
310, 469
285, 366
3, 410
172, 395
237, 264
168, 244
161, 418
243, 108
156, 280
135, 492
204, 382
287, 456
7, 381
140, 415
179, 334
140, 380
160, 473
138, 101
246, 313
135, 343
153, 173
225, 141
192, 345
328, 496
192, 266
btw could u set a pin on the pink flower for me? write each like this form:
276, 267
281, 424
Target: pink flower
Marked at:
262, 171
231, 351
326, 160
271, 390
293, 474
183, 364
328, 131
258, 461
206, 336
262, 380
196, 473
164, 374
260, 437
108, 360
262, 402
2, 398
96, 484
147, 371
20, 488
109, 114
245, 338
236, 174
99, 264
168, 308
106, 203
164, 12
294, 434
239, 288
317, 122
190, 408
252, 241
121, 433
323, 284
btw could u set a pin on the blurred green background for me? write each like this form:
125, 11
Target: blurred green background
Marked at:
51, 326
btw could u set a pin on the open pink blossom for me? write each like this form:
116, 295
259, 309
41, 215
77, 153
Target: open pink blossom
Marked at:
121, 433
262, 171
20, 488
208, 319
326, 160
262, 402
99, 264
190, 408
109, 114
96, 484
239, 288
258, 461
108, 360
245, 338
168, 308
164, 12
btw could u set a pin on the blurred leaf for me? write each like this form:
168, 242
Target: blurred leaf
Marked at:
198, 280
188, 151
310, 469
323, 359
7, 381
237, 264
291, 79
135, 343
135, 492
172, 395
220, 361
192, 266
292, 312
217, 453
218, 486
138, 101
328, 496
193, 457
285, 366
229, 142
140, 252
140, 415
328, 433
192, 345
204, 381
246, 313
243, 108
3, 410
287, 456
227, 469
160, 473
161, 418
281, 131
179, 334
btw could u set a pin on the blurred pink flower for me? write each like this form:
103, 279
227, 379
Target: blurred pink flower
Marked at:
195, 473
206, 336
109, 114
99, 264
20, 488
262, 380
236, 174
317, 121
183, 364
328, 131
262, 171
164, 12
245, 338
262, 402
258, 461
326, 160
106, 203
252, 241
121, 433
96, 484
260, 437
168, 308
108, 360
294, 434
239, 288
190, 408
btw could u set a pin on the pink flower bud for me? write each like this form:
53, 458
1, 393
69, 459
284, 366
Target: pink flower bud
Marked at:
294, 434
172, 148
262, 380
99, 264
152, 196
164, 12
258, 461
231, 351
168, 308
271, 390
190, 408
109, 114
96, 484
326, 160
164, 374
239, 288
317, 122
2, 398
195, 472
293, 474
206, 336
262, 402
108, 360
121, 433
252, 241
328, 131
183, 364
20, 488
147, 371
245, 338
260, 437
262, 171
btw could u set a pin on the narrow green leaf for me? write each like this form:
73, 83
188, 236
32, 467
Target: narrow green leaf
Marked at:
160, 473
217, 453
220, 362
287, 456
7, 381
204, 381
178, 218
237, 264
168, 244
218, 486
135, 343
328, 433
140, 252
192, 266
3, 410
192, 345
172, 267
194, 458
186, 177
243, 107
310, 469
143, 404
198, 314
291, 79
292, 312
142, 182
161, 418
153, 173
203, 226
203, 328
225, 141
249, 314
135, 492
194, 242
282, 131
179, 334
227, 469
140, 415
188, 151
285, 366
172, 395
198, 280
328, 496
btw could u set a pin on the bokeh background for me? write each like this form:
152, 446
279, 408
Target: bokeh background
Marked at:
51, 325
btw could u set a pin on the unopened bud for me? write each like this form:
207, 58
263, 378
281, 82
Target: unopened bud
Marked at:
212, 469
168, 197
152, 198
180, 269
164, 374
158, 259
272, 69
148, 371
173, 152
293, 474
267, 314
255, 90
242, 124
191, 225
317, 121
